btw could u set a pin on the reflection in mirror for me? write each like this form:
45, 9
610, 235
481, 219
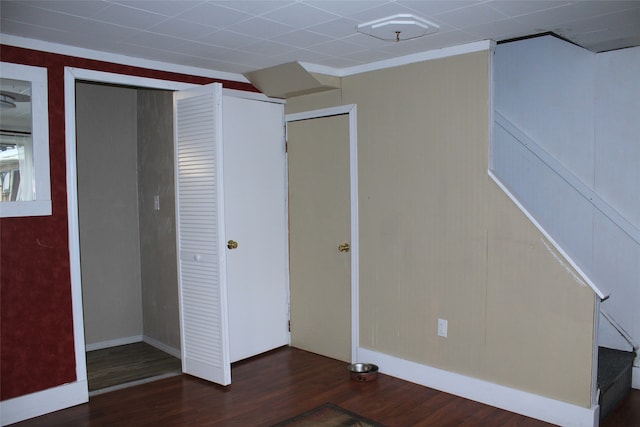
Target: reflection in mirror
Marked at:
16, 143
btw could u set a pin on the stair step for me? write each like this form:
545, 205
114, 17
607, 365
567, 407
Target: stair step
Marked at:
614, 377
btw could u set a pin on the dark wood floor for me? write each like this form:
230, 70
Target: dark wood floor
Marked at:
117, 366
627, 414
279, 385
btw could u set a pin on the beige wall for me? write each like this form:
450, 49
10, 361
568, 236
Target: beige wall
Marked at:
438, 239
158, 257
539, 314
314, 101
108, 211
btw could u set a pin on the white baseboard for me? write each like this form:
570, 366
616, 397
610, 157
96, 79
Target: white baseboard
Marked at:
635, 377
113, 343
528, 404
67, 395
42, 402
175, 352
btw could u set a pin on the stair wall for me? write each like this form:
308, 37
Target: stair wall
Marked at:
566, 144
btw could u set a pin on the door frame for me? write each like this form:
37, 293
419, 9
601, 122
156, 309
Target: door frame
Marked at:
351, 110
71, 75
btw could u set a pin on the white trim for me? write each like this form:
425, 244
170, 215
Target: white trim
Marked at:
323, 112
70, 77
355, 235
176, 68
595, 390
286, 216
351, 110
256, 96
37, 76
510, 399
133, 383
205, 72
125, 79
42, 402
79, 52
618, 327
492, 96
635, 377
175, 352
114, 343
402, 60
74, 228
583, 276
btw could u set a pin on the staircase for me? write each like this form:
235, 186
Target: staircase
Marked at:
563, 141
614, 378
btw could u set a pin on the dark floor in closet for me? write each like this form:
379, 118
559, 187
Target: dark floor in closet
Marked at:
131, 363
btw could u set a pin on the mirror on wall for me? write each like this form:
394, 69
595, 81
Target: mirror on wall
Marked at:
16, 143
24, 141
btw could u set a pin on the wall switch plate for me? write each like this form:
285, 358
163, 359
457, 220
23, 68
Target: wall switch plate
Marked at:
442, 328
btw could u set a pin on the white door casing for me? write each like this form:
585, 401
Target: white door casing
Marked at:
74, 393
351, 110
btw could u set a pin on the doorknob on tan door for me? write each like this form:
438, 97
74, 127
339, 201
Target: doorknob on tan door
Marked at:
344, 247
232, 244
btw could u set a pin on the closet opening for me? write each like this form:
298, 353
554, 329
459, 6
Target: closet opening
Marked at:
126, 218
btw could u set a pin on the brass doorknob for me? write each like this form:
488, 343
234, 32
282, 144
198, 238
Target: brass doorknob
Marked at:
344, 247
231, 244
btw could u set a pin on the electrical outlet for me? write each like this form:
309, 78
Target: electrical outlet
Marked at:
156, 202
442, 328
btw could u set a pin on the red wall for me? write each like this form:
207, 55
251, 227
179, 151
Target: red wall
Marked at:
36, 324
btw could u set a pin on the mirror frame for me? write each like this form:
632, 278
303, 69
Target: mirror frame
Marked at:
37, 76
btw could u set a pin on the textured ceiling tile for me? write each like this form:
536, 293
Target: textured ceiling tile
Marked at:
128, 17
516, 8
302, 38
346, 8
299, 15
85, 9
432, 8
165, 7
216, 32
338, 28
261, 28
471, 15
213, 15
183, 29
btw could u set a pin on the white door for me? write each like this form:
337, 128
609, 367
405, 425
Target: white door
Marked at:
200, 234
255, 220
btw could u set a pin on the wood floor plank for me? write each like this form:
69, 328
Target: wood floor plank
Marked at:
277, 386
122, 364
627, 413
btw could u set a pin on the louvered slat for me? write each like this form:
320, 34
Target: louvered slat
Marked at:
202, 279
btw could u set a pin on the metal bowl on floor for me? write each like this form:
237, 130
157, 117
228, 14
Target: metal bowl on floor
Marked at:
363, 371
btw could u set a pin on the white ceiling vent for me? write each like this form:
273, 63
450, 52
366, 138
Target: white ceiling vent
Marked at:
403, 26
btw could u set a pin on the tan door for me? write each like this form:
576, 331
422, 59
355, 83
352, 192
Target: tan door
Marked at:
319, 223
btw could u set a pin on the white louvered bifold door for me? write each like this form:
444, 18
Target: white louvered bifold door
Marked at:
200, 233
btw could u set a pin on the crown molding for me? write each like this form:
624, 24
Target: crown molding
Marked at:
117, 58
401, 60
